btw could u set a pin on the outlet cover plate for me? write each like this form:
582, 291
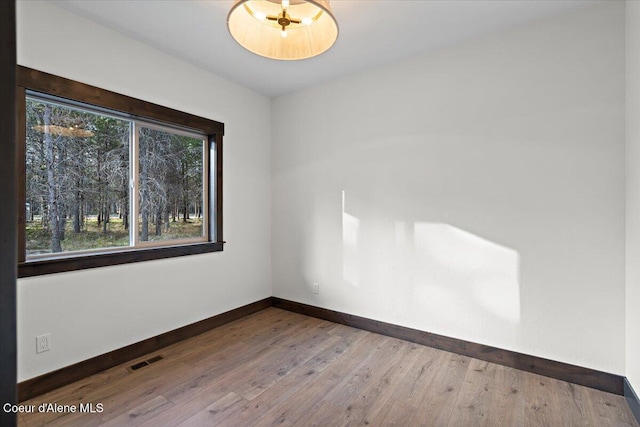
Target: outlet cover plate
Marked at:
43, 343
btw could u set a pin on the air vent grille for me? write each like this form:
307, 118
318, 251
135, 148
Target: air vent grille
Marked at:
145, 363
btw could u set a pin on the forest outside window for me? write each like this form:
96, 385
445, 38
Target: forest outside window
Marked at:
104, 186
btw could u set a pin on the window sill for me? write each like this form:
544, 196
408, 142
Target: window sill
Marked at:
83, 262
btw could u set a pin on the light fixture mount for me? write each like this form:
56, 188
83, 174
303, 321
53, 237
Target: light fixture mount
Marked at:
283, 29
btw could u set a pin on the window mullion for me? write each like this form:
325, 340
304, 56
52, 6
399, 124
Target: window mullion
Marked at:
206, 230
135, 183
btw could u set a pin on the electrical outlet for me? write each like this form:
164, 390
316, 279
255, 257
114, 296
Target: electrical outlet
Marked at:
43, 343
315, 288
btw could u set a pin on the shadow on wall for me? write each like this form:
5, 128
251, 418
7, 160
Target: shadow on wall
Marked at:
449, 274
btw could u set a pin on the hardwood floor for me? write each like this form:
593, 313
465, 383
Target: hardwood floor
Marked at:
276, 367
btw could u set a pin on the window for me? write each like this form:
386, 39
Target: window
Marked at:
109, 179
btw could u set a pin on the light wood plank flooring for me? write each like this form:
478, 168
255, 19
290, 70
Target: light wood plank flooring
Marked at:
280, 368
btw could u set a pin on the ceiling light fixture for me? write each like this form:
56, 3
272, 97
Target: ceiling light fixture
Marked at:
283, 29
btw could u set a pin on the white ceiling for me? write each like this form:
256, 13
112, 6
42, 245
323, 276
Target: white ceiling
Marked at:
372, 33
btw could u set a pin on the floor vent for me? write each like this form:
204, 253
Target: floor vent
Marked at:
154, 359
145, 363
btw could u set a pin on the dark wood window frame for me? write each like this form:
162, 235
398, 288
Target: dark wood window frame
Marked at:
48, 84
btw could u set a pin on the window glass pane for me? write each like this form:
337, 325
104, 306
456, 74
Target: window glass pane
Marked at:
77, 179
170, 186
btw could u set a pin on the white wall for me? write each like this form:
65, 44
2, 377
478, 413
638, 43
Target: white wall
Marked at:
476, 192
94, 311
633, 194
